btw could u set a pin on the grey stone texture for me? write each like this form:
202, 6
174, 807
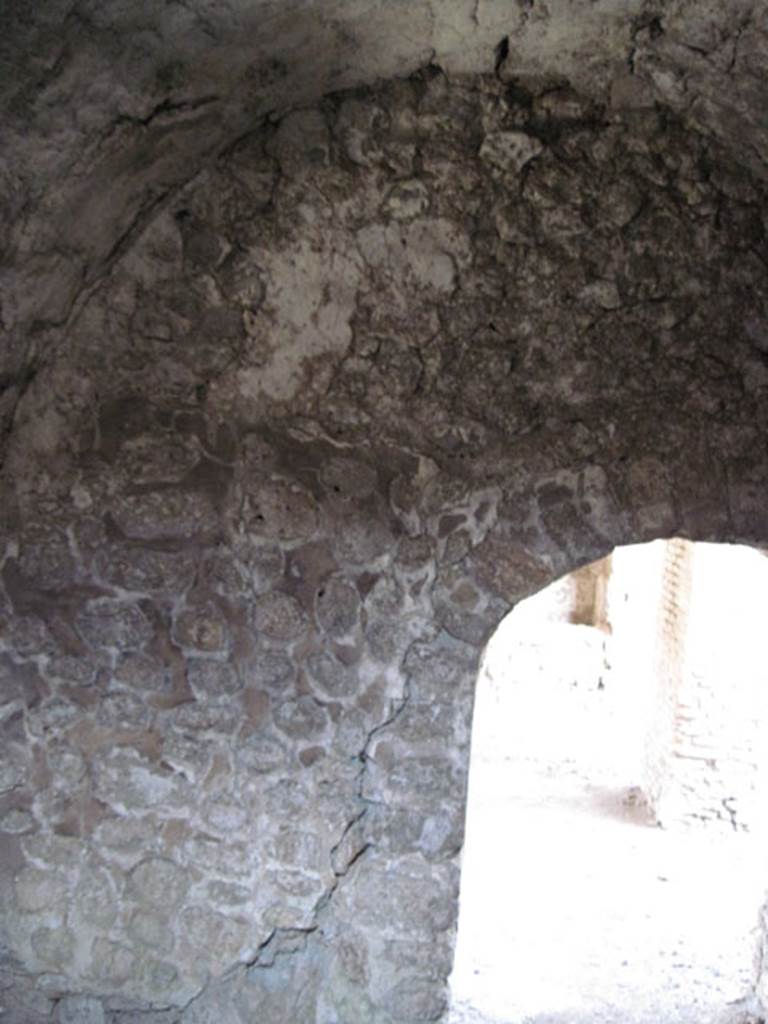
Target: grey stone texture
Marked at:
329, 334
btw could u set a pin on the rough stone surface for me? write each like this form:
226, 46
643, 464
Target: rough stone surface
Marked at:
295, 404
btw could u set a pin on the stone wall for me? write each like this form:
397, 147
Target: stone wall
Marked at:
390, 364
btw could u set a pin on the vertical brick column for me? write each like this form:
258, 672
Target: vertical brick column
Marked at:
669, 663
715, 777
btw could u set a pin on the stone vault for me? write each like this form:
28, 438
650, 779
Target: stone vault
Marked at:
331, 331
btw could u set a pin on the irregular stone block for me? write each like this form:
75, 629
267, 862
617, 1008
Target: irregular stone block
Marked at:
158, 515
213, 680
67, 766
17, 822
427, 723
128, 836
362, 539
148, 458
26, 635
301, 888
97, 897
280, 510
225, 816
220, 718
260, 753
299, 849
227, 858
387, 640
139, 569
272, 670
219, 937
302, 140
151, 928
202, 628
302, 718
279, 616
143, 672
416, 999
406, 200
349, 478
437, 670
105, 623
355, 127
61, 851
158, 978
509, 151
13, 770
74, 671
112, 962
158, 883
191, 757
337, 607
417, 782
55, 946
227, 894
331, 676
123, 711
80, 1010
406, 901
38, 891
46, 558
128, 781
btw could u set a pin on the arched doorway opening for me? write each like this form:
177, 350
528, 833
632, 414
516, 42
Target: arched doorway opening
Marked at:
615, 838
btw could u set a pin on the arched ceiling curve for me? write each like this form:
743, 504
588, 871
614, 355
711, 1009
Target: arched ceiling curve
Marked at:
108, 107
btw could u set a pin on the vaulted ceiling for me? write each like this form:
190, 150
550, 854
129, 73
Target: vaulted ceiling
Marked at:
107, 108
